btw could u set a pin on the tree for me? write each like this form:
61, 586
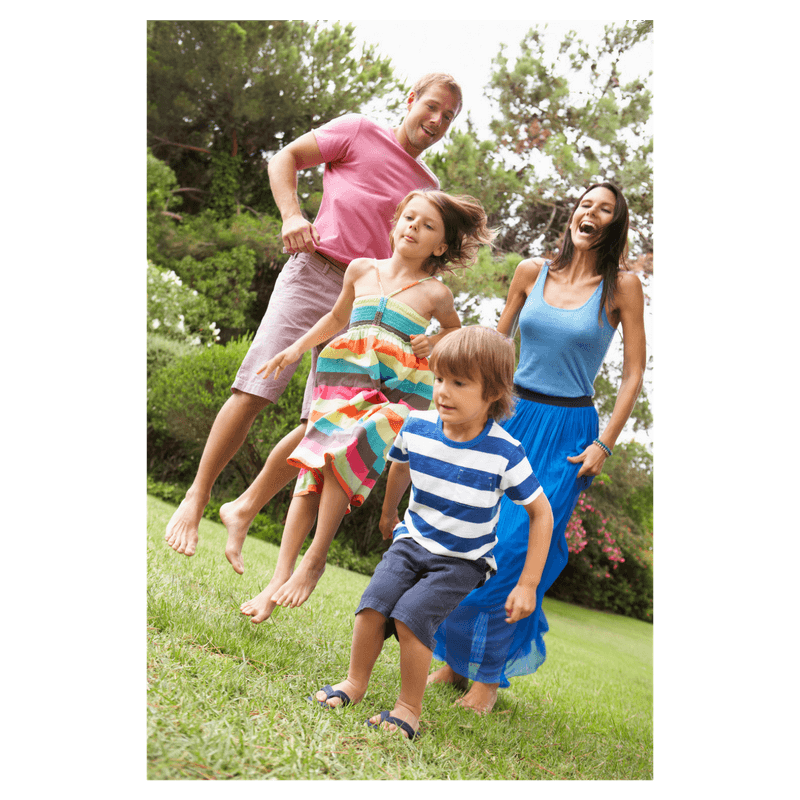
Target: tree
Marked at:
566, 117
223, 96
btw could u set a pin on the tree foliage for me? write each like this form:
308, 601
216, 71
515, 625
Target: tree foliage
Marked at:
565, 119
223, 96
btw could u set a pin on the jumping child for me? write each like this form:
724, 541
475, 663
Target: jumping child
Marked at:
368, 378
460, 463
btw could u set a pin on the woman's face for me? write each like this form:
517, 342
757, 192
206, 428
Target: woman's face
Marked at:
594, 212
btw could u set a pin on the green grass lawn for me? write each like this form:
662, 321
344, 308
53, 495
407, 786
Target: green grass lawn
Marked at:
227, 699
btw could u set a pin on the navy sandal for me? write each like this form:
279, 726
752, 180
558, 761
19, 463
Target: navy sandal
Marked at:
331, 692
386, 716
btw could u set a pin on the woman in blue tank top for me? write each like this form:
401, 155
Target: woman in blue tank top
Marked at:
568, 310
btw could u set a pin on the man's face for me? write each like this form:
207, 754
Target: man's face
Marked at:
428, 118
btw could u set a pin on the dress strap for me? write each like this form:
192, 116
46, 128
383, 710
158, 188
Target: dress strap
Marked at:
378, 273
396, 291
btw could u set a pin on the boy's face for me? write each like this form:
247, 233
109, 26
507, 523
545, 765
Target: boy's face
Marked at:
461, 406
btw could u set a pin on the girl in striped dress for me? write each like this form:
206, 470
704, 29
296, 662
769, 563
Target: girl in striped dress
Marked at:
368, 378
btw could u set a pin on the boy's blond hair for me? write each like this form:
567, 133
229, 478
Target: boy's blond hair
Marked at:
477, 351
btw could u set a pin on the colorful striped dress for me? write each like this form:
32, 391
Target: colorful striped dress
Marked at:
367, 381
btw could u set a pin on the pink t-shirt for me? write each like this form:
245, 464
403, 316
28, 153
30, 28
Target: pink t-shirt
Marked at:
367, 174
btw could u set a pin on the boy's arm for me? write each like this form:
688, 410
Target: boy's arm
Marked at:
521, 602
397, 482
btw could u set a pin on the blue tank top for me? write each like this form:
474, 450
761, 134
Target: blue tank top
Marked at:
561, 350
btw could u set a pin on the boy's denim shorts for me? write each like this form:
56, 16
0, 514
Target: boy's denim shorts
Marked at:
419, 588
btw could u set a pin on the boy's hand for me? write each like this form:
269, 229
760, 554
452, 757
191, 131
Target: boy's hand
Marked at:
520, 603
389, 520
421, 345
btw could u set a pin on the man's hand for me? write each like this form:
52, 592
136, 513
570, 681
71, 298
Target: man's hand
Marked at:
299, 235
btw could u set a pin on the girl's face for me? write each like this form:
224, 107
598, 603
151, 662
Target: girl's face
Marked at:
419, 232
461, 406
594, 213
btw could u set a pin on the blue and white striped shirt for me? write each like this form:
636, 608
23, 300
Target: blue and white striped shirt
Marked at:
456, 487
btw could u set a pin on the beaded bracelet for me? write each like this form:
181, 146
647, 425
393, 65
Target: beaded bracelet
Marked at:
607, 450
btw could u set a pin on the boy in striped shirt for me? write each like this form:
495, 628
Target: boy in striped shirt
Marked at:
459, 462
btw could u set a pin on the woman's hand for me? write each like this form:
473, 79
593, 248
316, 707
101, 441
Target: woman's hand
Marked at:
591, 460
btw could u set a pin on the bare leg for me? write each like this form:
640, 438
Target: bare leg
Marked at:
227, 434
415, 661
332, 507
364, 651
299, 521
238, 515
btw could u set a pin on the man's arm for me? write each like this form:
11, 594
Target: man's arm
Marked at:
298, 234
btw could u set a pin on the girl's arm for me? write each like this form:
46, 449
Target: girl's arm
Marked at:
630, 306
521, 602
449, 321
325, 328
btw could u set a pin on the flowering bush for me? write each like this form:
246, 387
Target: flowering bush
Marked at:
578, 539
175, 311
609, 538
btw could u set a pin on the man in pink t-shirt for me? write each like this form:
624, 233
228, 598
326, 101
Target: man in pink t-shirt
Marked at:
369, 169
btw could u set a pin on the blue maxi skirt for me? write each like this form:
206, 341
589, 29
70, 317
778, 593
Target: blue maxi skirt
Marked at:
475, 640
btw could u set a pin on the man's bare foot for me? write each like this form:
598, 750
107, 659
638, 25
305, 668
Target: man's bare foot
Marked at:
354, 692
237, 525
446, 674
398, 712
298, 588
182, 528
480, 698
262, 605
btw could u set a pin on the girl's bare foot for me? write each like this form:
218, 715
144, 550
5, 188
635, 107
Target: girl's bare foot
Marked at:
353, 691
298, 588
480, 698
446, 674
261, 606
237, 525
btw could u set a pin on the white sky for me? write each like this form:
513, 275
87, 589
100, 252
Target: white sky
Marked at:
471, 47
415, 50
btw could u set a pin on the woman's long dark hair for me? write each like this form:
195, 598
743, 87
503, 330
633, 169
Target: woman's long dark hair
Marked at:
612, 247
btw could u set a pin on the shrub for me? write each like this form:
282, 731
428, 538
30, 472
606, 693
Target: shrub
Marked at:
184, 399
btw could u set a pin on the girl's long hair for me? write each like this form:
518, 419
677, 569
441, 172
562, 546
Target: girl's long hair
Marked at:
612, 247
465, 228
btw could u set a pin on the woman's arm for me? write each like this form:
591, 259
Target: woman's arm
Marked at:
630, 307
